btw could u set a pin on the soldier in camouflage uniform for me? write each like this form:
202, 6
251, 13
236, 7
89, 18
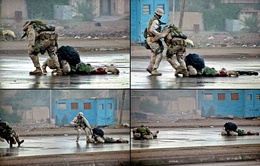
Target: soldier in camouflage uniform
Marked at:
81, 123
143, 132
41, 38
176, 44
7, 133
154, 34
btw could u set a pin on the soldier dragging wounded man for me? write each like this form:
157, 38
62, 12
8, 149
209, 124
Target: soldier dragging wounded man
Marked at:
81, 123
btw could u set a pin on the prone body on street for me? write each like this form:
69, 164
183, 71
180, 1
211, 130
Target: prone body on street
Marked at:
231, 129
144, 132
98, 136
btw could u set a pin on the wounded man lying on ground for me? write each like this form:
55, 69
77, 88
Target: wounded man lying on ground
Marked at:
230, 129
98, 136
69, 60
144, 133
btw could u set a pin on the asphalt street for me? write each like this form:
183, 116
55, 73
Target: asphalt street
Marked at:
50, 145
184, 142
141, 79
14, 72
167, 138
194, 137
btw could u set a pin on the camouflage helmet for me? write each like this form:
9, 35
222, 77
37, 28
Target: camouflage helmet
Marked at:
159, 12
26, 24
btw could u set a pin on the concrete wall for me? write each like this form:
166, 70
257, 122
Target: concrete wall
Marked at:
135, 102
120, 7
9, 109
10, 6
154, 99
35, 114
125, 116
189, 20
187, 104
40, 113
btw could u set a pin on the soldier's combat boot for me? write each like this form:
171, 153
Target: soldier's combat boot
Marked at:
149, 69
155, 73
20, 142
38, 71
177, 72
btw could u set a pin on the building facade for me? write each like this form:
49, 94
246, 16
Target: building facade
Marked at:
17, 9
141, 12
230, 103
99, 112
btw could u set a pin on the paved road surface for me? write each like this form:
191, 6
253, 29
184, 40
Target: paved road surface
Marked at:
194, 137
36, 146
141, 79
14, 72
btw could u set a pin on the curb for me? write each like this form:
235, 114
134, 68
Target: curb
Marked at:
197, 160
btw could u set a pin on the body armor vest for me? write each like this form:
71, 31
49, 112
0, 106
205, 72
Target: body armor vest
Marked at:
159, 29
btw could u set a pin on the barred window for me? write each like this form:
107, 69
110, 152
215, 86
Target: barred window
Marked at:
87, 106
257, 96
161, 6
208, 97
109, 106
146, 9
221, 96
234, 96
62, 106
74, 106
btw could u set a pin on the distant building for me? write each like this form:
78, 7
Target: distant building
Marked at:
17, 9
181, 105
230, 103
98, 111
35, 114
250, 8
9, 109
141, 12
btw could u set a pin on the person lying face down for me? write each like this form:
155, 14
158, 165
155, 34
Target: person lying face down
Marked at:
50, 63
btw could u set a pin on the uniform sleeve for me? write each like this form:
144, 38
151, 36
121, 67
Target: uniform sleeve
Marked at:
154, 26
31, 35
87, 123
73, 121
